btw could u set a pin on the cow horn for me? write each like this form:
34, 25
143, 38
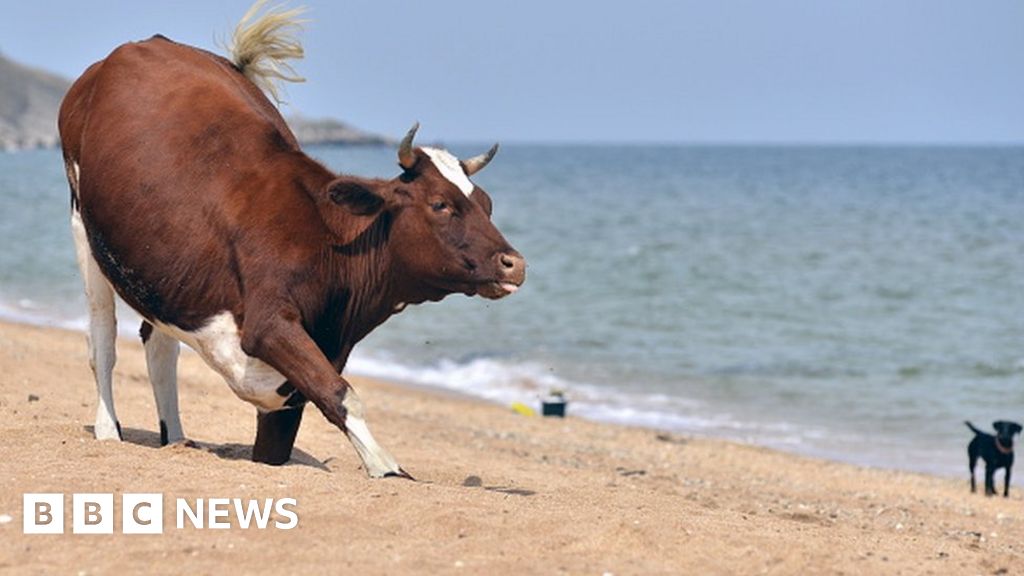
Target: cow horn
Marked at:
406, 159
477, 163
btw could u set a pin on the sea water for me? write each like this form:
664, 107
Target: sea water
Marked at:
855, 303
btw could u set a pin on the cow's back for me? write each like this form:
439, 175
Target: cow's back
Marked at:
176, 154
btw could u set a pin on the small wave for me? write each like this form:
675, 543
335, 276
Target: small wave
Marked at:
987, 370
909, 372
503, 381
26, 311
788, 369
895, 293
483, 377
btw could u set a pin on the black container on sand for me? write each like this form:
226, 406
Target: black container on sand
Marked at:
553, 405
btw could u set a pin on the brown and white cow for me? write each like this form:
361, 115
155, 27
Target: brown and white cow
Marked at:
192, 200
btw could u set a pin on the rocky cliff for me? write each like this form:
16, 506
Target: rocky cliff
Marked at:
331, 132
29, 100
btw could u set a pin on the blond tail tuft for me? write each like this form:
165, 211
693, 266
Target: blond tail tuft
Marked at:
261, 47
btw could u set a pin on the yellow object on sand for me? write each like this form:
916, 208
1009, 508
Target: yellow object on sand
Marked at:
523, 409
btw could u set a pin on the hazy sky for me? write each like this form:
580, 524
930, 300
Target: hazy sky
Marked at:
609, 70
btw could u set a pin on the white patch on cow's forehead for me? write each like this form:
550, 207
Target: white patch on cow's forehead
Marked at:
450, 168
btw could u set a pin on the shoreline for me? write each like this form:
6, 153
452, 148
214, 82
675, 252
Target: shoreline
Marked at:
496, 492
126, 331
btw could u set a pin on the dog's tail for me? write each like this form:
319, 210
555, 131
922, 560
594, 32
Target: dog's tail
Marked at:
973, 429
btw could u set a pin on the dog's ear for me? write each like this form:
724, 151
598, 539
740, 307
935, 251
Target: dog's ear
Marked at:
1015, 428
1002, 425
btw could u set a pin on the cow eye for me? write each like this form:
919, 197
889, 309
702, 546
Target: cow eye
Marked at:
439, 206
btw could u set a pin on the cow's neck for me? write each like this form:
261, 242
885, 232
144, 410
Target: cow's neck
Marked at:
365, 294
356, 294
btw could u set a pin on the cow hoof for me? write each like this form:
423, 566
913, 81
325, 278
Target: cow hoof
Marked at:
181, 443
107, 430
400, 474
271, 459
172, 435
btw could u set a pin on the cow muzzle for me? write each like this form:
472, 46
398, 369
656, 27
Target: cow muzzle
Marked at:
511, 273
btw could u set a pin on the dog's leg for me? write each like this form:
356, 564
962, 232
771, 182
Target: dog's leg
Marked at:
1006, 483
990, 480
972, 463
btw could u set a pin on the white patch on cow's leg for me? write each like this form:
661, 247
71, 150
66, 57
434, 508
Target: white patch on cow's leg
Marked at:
102, 332
219, 344
377, 461
162, 364
450, 168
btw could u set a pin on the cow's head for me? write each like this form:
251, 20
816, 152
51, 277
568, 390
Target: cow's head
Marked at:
440, 236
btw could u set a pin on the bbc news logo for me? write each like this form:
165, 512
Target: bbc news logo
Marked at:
144, 513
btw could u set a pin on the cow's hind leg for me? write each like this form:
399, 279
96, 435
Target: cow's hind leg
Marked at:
162, 365
102, 332
275, 434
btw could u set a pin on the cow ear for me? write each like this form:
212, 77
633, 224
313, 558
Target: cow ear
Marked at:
349, 206
483, 199
359, 198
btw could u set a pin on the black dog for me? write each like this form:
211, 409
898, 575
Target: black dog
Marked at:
996, 451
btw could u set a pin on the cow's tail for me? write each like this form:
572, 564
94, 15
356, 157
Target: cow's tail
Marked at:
261, 46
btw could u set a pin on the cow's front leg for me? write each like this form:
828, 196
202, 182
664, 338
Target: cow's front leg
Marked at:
377, 461
275, 434
284, 344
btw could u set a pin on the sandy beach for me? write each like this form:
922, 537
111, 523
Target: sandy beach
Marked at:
497, 493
